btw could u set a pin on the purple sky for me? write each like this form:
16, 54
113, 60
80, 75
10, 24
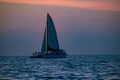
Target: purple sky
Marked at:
80, 31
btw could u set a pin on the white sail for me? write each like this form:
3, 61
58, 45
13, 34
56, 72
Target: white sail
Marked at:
51, 36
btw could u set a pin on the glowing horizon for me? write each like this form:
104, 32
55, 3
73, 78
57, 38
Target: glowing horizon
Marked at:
111, 5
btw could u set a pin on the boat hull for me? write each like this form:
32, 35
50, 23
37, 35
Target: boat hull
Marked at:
51, 55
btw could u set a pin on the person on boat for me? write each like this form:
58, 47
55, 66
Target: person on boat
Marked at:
33, 54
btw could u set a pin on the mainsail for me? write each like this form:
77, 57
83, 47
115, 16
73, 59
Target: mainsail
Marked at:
50, 40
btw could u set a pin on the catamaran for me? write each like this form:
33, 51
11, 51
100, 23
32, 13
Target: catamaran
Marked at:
50, 46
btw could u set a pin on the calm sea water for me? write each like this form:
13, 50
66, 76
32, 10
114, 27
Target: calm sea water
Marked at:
71, 68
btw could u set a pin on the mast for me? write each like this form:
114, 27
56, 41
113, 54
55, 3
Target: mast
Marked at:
47, 36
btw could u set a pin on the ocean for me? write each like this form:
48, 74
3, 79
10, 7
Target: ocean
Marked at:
74, 67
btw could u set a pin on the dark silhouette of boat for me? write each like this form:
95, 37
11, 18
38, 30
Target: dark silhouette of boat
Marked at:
50, 45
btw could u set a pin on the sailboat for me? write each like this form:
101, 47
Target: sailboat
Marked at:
50, 46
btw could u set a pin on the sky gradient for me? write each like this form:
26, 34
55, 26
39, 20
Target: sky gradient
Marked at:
111, 5
83, 26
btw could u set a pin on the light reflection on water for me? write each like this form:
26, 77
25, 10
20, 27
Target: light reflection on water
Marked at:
74, 67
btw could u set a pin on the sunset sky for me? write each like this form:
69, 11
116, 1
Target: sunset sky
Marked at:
111, 5
83, 26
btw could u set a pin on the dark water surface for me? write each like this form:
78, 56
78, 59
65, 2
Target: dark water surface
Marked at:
71, 68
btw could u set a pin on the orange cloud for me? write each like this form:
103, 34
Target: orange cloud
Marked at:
111, 5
